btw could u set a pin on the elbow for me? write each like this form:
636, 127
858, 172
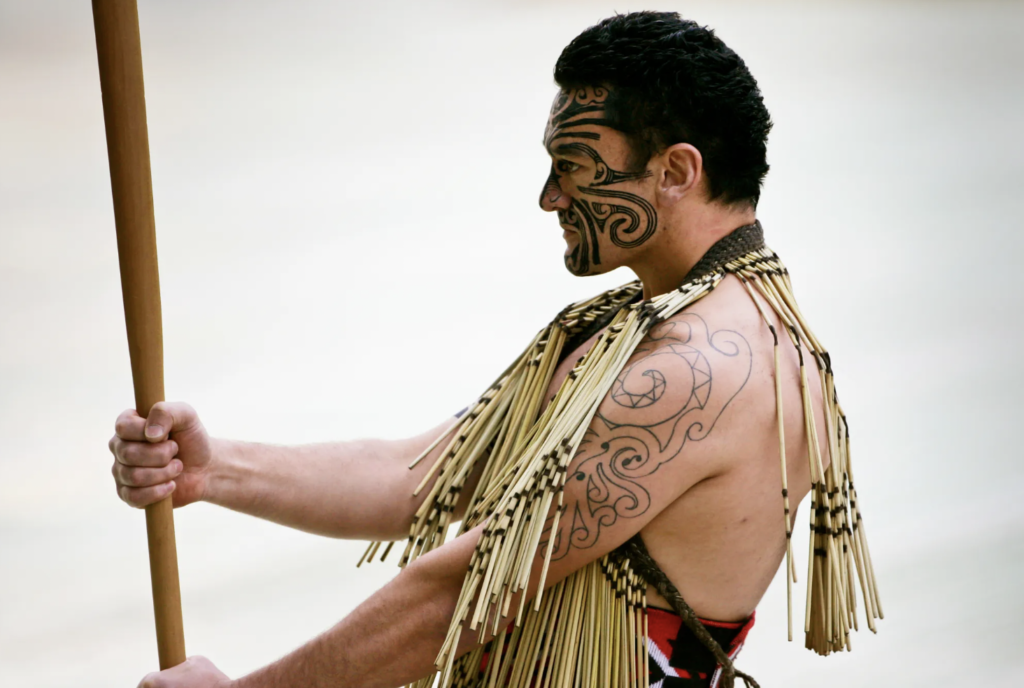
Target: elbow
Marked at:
437, 589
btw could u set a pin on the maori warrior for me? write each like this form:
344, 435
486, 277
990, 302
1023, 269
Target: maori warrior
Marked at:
592, 623
650, 444
591, 627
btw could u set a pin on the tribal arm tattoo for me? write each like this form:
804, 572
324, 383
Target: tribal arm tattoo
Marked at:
668, 397
628, 219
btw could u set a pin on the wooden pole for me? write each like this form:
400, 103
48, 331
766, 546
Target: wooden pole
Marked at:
119, 50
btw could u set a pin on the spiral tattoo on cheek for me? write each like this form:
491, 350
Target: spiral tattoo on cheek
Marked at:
629, 223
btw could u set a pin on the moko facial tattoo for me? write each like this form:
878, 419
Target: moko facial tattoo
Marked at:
626, 219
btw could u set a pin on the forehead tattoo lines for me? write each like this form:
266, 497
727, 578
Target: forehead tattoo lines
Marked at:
584, 106
627, 219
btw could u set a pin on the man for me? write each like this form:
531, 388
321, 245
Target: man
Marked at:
657, 139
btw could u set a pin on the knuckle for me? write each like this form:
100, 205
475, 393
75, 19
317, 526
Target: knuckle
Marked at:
164, 451
122, 450
139, 454
130, 477
135, 497
161, 409
128, 452
181, 415
124, 421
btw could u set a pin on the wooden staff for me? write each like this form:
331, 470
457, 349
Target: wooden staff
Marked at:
119, 50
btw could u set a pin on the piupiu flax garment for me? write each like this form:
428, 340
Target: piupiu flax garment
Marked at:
590, 629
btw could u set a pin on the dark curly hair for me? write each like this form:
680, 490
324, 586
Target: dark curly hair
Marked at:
673, 81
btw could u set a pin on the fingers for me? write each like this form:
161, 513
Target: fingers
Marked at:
166, 417
143, 472
132, 476
145, 465
194, 672
130, 426
139, 454
144, 496
140, 486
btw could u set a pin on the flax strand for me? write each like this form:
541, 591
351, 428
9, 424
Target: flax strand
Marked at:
590, 629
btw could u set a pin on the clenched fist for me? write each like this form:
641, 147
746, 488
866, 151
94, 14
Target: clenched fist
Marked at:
196, 672
168, 452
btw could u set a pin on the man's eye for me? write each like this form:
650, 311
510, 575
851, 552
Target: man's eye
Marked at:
566, 166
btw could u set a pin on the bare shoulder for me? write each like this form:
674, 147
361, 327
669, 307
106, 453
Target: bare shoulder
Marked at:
695, 362
689, 383
667, 421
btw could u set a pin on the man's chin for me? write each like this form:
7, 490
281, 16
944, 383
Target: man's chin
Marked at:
573, 248
573, 266
573, 271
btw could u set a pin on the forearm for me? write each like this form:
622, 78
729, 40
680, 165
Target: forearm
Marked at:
340, 489
390, 640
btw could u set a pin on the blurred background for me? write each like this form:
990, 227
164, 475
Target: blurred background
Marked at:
339, 184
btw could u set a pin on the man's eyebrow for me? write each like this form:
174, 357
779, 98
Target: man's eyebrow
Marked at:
563, 149
567, 151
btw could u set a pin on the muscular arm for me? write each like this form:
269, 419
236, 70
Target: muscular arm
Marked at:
360, 489
669, 398
389, 640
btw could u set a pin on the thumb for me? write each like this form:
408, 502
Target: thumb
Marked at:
169, 416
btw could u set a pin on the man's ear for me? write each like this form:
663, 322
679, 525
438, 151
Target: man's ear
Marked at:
681, 174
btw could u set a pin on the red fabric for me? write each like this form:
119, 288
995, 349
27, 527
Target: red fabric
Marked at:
678, 660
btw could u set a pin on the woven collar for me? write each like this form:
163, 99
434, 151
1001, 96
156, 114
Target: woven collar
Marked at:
736, 243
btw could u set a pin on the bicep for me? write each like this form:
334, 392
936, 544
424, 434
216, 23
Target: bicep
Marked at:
608, 497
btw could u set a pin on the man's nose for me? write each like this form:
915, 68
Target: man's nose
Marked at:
551, 196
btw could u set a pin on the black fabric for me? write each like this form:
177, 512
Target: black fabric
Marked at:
689, 653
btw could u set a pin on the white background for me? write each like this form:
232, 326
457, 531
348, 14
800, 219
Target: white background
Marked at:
350, 246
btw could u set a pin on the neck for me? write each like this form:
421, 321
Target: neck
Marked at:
665, 263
